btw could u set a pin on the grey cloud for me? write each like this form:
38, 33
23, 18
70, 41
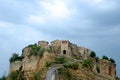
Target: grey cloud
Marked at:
90, 27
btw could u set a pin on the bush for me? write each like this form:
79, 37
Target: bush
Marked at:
112, 60
92, 54
87, 63
34, 49
15, 57
105, 57
48, 64
68, 74
65, 73
13, 75
60, 60
73, 66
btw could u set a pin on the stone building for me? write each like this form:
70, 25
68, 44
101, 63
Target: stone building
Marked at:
64, 47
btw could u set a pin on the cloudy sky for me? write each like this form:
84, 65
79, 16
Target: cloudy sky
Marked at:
94, 24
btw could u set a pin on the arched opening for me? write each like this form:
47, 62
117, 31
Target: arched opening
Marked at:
64, 52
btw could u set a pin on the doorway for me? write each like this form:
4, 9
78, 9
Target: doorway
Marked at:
64, 52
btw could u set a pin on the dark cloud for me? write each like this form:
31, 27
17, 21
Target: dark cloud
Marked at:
95, 26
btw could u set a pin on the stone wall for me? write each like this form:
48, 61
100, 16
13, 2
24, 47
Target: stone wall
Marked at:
84, 52
56, 43
70, 49
30, 63
74, 49
43, 44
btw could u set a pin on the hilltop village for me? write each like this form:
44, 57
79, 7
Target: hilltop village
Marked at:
78, 63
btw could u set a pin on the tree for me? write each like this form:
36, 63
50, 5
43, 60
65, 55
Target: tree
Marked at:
112, 60
14, 57
92, 54
105, 57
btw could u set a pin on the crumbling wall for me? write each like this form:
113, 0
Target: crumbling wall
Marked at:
43, 44
74, 49
83, 52
30, 63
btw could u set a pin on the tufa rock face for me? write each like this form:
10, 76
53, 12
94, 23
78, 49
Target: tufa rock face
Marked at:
33, 63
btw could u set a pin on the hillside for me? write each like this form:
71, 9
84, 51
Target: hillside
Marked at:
60, 60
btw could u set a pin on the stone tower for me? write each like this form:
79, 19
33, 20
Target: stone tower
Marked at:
64, 47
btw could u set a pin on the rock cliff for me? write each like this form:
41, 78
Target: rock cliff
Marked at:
37, 59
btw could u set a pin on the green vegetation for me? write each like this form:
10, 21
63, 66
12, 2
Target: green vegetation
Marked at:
48, 64
112, 60
37, 75
15, 57
105, 57
17, 75
36, 50
13, 75
77, 57
92, 54
87, 63
73, 66
65, 73
60, 59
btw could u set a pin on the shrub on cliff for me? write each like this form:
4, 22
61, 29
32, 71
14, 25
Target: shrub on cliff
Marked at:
48, 64
60, 60
112, 60
73, 66
15, 57
87, 63
105, 57
92, 54
36, 50
13, 75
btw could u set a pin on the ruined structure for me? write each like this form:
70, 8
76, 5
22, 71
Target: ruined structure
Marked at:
63, 47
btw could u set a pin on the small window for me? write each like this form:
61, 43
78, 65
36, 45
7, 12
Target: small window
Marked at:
64, 51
